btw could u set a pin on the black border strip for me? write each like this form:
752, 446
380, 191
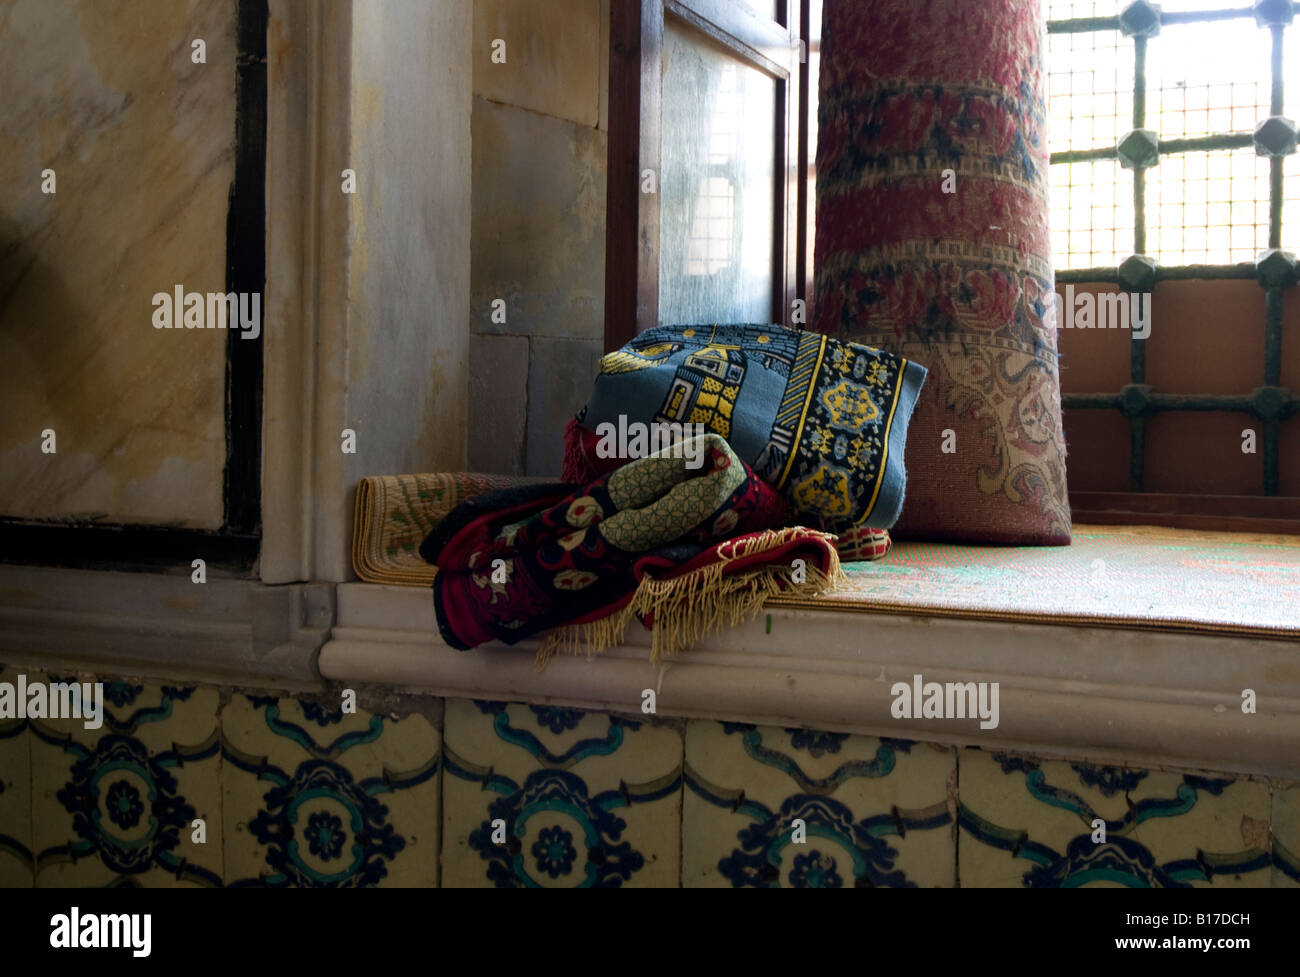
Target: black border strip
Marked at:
146, 549
235, 546
246, 272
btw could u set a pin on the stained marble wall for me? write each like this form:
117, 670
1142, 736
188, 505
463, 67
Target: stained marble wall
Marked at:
539, 131
140, 141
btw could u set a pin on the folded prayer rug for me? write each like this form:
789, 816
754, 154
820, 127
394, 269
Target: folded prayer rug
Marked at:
394, 513
824, 422
685, 550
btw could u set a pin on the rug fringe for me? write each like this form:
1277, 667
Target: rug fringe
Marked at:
685, 609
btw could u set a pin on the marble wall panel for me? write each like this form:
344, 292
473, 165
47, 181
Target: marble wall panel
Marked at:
140, 141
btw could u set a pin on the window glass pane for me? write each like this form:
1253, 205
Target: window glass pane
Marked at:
1290, 69
1092, 214
764, 8
1090, 84
1202, 79
717, 184
1070, 9
1291, 204
1207, 78
1207, 208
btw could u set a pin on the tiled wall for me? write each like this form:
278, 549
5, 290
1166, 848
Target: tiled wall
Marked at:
459, 793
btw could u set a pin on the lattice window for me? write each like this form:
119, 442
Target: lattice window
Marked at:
1170, 159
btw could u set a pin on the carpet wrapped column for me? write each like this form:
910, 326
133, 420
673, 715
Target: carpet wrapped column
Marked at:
932, 242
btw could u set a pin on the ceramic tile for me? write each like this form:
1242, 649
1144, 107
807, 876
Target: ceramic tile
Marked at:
93, 821
1020, 816
300, 776
586, 799
550, 797
875, 812
1286, 837
16, 868
1206, 831
1028, 822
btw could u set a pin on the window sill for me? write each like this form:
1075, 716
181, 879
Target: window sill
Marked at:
1104, 693
1111, 694
224, 631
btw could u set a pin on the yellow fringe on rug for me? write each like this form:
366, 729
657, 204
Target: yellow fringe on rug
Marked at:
702, 602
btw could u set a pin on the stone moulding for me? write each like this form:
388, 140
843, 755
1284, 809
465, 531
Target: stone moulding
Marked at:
1109, 694
1112, 695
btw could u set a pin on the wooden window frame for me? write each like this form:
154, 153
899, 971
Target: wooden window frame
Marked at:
635, 104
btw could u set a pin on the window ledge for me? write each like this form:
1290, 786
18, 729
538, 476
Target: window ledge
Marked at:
1104, 693
1111, 694
223, 631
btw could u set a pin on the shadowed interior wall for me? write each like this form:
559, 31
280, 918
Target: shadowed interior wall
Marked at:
539, 134
141, 142
368, 223
408, 224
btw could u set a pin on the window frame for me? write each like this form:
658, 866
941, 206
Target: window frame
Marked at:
635, 103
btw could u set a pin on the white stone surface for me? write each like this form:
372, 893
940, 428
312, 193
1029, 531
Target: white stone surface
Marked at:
373, 286
1104, 694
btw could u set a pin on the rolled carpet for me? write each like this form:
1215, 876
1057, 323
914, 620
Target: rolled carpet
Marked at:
932, 243
394, 513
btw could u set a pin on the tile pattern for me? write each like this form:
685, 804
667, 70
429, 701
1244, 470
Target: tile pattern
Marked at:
195, 786
778, 807
16, 864
317, 796
541, 796
1285, 829
1039, 824
134, 802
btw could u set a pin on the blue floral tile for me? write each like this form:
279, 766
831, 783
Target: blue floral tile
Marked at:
1286, 837
1058, 824
315, 797
1209, 831
16, 865
772, 807
541, 796
135, 802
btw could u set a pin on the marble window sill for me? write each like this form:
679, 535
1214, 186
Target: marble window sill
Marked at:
1105, 693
